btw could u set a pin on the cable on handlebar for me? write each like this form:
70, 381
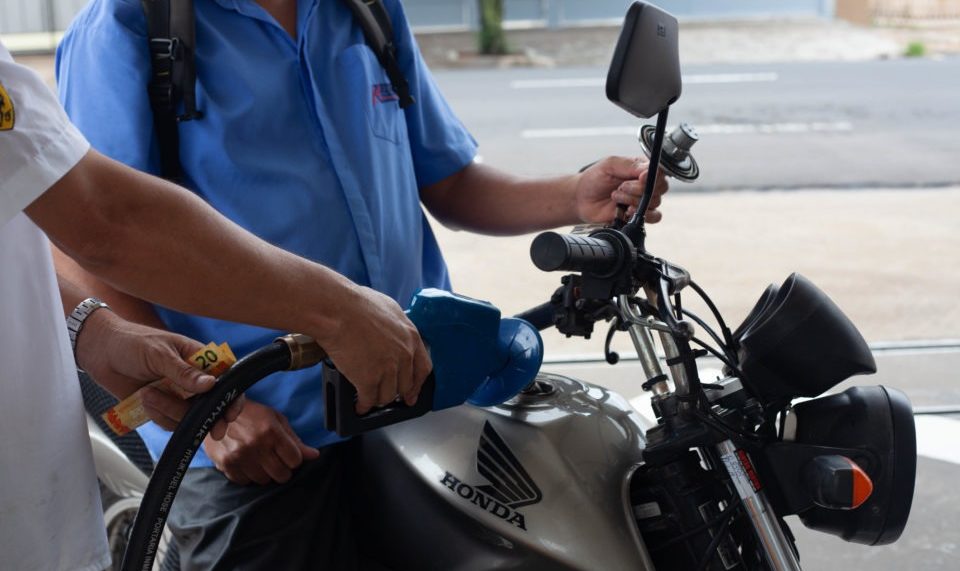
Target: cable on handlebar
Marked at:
703, 324
611, 356
727, 335
718, 355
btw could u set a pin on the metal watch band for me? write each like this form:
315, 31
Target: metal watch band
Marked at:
79, 316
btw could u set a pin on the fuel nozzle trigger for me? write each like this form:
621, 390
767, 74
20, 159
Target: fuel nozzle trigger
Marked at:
478, 358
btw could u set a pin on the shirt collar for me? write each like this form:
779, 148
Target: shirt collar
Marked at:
251, 9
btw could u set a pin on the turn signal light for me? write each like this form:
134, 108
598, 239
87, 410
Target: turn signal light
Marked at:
862, 484
836, 482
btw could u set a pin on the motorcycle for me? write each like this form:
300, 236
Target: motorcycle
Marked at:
567, 474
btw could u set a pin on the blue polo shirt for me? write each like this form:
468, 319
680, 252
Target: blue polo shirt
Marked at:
301, 143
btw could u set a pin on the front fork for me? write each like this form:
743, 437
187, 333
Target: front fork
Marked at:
776, 548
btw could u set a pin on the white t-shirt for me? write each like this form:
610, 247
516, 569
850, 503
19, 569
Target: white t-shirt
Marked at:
50, 513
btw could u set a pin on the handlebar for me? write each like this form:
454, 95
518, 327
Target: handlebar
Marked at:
541, 316
551, 251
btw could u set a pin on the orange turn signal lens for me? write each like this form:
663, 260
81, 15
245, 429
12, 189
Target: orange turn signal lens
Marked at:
862, 484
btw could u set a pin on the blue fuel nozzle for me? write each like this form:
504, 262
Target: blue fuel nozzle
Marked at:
478, 358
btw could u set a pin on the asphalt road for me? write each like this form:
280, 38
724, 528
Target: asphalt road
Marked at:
840, 124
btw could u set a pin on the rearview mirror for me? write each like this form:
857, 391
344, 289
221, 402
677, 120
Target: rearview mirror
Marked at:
644, 76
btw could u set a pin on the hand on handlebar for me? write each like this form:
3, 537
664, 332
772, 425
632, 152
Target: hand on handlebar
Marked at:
616, 180
378, 350
259, 446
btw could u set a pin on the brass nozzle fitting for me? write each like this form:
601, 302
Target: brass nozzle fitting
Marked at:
304, 351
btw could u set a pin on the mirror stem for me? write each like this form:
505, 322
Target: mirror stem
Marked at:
634, 229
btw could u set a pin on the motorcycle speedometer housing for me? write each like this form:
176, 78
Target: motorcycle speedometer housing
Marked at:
878, 423
797, 342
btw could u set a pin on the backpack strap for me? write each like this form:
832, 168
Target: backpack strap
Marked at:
172, 33
378, 30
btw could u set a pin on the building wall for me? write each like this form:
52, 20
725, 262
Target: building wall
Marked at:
916, 9
26, 16
462, 14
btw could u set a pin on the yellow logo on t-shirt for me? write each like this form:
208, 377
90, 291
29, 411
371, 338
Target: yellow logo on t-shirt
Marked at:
7, 116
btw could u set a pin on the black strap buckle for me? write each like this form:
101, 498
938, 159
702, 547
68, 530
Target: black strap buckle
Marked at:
165, 48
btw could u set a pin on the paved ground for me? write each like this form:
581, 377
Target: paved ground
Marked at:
890, 259
700, 43
706, 42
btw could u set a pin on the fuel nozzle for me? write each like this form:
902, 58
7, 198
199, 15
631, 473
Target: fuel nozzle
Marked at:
479, 357
675, 158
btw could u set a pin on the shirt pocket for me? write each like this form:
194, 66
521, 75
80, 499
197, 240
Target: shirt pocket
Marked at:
367, 81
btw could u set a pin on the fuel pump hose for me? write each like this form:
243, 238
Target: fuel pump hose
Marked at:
287, 353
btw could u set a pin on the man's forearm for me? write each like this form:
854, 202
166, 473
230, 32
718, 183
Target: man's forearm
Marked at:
127, 306
485, 200
143, 242
70, 293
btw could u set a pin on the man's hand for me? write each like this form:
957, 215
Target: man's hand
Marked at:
259, 446
123, 356
377, 349
616, 180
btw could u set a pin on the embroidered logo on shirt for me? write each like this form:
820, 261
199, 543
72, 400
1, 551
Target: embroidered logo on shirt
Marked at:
383, 92
7, 116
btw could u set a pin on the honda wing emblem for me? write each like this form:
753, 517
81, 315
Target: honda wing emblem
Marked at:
510, 484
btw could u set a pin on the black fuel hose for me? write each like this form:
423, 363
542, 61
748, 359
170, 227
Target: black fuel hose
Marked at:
186, 439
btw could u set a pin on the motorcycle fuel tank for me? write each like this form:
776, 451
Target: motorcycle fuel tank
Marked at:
539, 482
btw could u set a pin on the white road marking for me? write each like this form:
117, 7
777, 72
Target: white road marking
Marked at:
577, 132
710, 129
730, 78
560, 83
937, 436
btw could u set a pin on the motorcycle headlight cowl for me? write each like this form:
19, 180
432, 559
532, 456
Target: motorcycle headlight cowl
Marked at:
797, 343
877, 423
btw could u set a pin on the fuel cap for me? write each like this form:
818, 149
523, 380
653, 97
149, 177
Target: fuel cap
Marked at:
675, 157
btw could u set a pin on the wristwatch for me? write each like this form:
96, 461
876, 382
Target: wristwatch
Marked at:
79, 316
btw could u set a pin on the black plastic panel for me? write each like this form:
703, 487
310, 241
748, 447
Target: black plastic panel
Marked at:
644, 76
879, 421
797, 342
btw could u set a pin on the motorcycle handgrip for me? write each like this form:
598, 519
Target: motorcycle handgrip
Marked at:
340, 401
551, 251
541, 316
